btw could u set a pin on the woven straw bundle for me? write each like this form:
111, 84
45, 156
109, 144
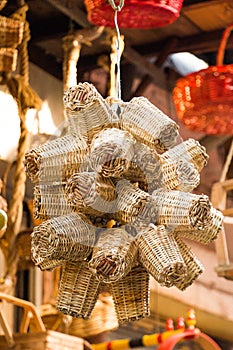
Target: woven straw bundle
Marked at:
160, 255
49, 201
189, 150
194, 266
78, 290
206, 235
8, 59
131, 295
111, 152
130, 201
63, 238
114, 254
56, 160
11, 32
89, 193
87, 112
148, 124
179, 175
176, 208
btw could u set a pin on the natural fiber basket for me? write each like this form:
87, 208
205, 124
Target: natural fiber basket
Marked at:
87, 112
204, 99
134, 14
148, 124
78, 290
131, 295
39, 338
111, 152
206, 235
90, 193
160, 255
8, 59
176, 208
11, 32
66, 237
189, 150
114, 254
194, 266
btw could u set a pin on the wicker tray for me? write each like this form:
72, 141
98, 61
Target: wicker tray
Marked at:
40, 339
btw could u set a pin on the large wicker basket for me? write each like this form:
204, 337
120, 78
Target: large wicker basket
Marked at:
135, 13
204, 99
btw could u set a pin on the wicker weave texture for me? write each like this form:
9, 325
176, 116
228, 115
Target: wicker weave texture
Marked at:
8, 59
11, 32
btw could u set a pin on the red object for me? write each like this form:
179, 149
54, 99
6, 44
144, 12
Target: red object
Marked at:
143, 14
204, 99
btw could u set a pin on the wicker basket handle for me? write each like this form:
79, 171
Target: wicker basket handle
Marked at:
222, 46
29, 312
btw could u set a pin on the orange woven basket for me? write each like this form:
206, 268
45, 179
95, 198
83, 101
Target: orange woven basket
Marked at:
204, 99
142, 14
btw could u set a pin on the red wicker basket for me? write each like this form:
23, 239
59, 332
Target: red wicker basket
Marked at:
142, 14
204, 99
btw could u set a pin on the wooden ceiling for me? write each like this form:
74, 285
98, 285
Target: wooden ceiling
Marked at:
197, 30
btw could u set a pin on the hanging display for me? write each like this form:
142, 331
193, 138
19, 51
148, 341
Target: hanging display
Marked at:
204, 99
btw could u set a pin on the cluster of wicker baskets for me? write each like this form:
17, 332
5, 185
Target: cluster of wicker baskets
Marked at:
11, 35
115, 198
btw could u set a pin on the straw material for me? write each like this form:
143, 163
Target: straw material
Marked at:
56, 160
90, 193
131, 295
11, 32
176, 208
111, 152
160, 255
2, 4
179, 175
63, 238
8, 59
78, 290
194, 266
148, 124
189, 150
130, 201
206, 235
114, 254
87, 112
48, 264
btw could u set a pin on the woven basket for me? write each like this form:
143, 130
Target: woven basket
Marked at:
78, 290
114, 255
111, 152
8, 59
148, 124
206, 235
65, 237
176, 208
134, 14
204, 99
160, 255
89, 193
87, 112
131, 295
193, 265
11, 32
189, 150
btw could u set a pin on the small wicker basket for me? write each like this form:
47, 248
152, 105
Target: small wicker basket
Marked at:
8, 59
11, 32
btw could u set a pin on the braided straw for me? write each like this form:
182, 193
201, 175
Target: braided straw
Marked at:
160, 255
87, 112
148, 124
113, 255
131, 295
63, 238
206, 235
78, 290
111, 152
189, 150
89, 193
194, 266
176, 208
